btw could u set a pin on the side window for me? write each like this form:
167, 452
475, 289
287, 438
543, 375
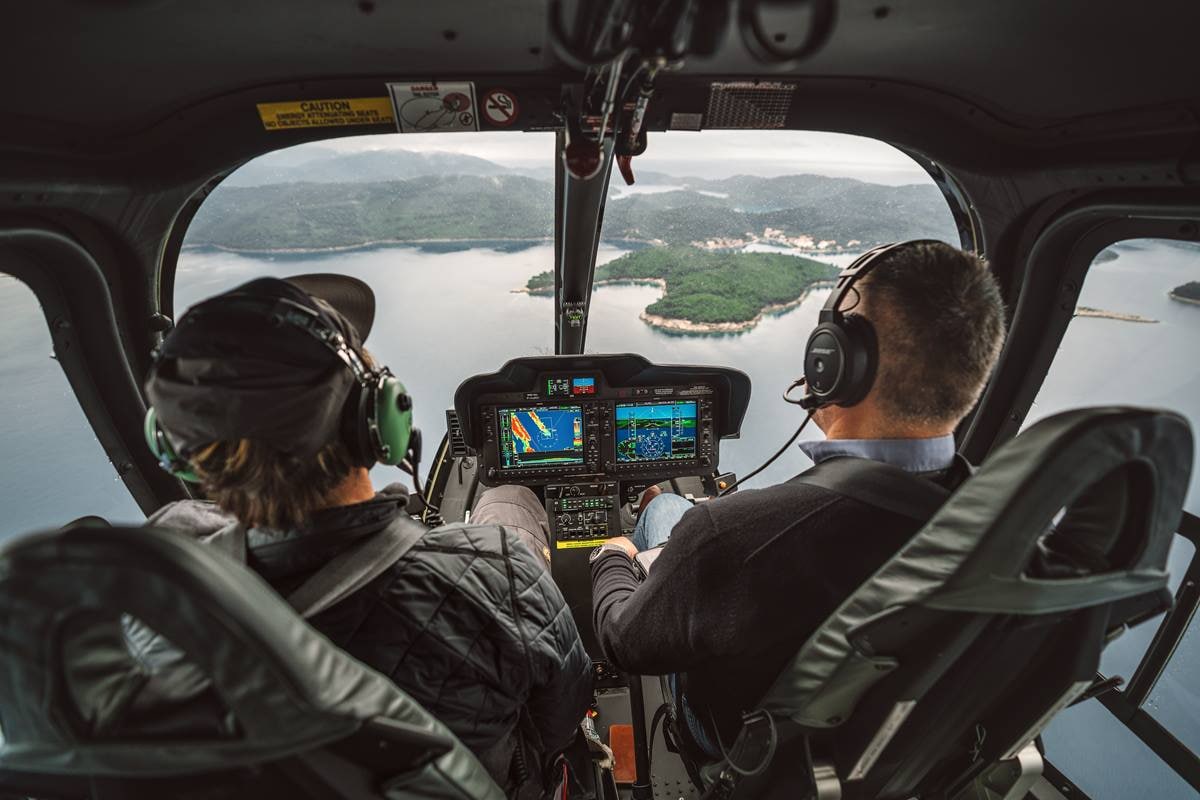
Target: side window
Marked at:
1132, 342
53, 470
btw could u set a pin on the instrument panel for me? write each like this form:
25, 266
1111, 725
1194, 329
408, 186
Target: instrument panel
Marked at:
589, 433
545, 420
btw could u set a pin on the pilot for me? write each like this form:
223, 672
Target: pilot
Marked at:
745, 579
256, 391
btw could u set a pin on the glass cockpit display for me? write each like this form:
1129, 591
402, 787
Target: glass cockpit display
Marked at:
541, 437
655, 431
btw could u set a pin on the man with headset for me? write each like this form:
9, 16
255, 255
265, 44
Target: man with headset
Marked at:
900, 355
265, 396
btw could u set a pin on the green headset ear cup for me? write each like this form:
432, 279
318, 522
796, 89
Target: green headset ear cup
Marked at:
393, 415
160, 447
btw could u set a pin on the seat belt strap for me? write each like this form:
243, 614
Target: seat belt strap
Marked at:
353, 569
879, 485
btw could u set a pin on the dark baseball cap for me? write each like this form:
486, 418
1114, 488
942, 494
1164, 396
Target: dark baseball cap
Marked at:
237, 366
348, 296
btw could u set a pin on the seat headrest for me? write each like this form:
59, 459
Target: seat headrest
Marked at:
288, 687
974, 553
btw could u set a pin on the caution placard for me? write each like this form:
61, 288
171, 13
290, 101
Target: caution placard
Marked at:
434, 107
326, 113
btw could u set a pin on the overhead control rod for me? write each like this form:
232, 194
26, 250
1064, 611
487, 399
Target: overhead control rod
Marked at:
578, 218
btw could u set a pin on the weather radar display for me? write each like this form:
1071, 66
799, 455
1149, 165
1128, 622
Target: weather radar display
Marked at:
541, 437
656, 431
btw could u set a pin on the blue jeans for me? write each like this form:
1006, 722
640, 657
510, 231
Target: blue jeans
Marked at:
657, 519
654, 529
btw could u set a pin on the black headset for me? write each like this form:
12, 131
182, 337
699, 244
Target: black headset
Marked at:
376, 424
842, 354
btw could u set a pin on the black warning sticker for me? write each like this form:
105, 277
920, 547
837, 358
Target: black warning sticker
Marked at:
500, 107
434, 107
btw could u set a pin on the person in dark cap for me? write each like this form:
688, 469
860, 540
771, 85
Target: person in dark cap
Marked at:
266, 397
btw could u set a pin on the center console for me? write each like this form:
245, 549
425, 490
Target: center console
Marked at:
589, 432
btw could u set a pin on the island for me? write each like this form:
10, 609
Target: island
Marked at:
1187, 293
707, 291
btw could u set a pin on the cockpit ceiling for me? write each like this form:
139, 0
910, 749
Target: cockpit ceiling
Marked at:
117, 67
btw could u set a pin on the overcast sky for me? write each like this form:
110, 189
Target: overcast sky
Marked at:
714, 154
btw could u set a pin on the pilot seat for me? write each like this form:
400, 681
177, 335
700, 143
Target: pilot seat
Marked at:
936, 678
273, 709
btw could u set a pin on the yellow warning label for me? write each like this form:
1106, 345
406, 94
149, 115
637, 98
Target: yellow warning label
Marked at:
326, 113
572, 543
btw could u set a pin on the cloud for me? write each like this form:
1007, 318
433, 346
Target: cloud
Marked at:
714, 154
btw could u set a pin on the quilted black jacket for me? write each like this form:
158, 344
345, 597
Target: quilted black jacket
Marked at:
469, 623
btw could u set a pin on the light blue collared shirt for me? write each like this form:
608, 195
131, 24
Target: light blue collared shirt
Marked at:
914, 455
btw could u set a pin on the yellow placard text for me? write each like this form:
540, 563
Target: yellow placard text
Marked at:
326, 113
572, 543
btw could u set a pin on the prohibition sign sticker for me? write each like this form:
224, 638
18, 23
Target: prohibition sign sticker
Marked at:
500, 107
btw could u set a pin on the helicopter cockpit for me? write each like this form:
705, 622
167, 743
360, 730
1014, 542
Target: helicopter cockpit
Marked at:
598, 235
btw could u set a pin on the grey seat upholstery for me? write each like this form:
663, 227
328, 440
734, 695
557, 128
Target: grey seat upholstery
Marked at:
957, 652
279, 710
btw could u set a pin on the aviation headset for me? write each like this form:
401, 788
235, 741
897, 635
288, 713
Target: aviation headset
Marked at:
842, 354
376, 423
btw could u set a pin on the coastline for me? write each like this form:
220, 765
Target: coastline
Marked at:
1099, 313
672, 325
1189, 300
632, 244
343, 248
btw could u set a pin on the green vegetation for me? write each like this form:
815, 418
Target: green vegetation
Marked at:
316, 215
304, 216
1188, 292
710, 287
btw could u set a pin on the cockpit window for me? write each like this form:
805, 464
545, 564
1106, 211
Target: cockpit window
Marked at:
1132, 342
54, 470
455, 235
721, 250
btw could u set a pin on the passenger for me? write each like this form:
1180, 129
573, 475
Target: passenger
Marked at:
469, 622
747, 578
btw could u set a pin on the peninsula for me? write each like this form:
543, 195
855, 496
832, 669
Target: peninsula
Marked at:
707, 291
1187, 293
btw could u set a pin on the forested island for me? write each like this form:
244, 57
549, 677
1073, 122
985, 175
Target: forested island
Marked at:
706, 291
1187, 293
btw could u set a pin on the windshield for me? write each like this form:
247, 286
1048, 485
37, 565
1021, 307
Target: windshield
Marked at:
455, 235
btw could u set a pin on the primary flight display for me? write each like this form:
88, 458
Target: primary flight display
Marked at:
542, 436
656, 431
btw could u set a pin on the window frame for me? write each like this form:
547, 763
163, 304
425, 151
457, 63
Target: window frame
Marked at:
1056, 264
83, 316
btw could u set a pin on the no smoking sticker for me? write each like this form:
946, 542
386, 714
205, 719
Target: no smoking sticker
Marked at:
434, 107
500, 107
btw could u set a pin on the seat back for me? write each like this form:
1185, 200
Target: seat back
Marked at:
960, 649
271, 703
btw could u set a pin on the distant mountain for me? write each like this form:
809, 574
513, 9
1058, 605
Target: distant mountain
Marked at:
324, 165
334, 200
299, 216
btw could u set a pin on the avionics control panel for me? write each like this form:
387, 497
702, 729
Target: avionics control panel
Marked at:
613, 417
589, 431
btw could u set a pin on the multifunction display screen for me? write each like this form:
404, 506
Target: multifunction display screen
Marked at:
656, 431
546, 436
568, 386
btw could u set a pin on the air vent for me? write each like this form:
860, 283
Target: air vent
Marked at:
458, 445
748, 104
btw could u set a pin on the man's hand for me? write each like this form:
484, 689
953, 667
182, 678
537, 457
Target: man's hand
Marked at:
624, 543
648, 495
